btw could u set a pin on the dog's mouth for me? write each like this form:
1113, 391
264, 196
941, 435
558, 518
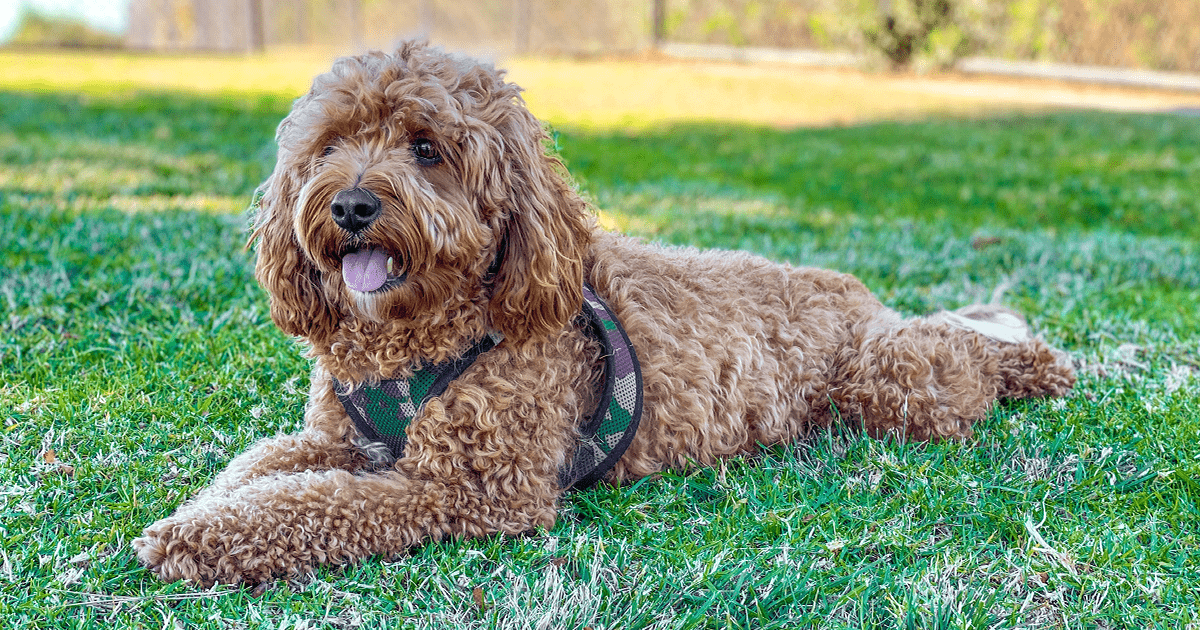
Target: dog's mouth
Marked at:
372, 269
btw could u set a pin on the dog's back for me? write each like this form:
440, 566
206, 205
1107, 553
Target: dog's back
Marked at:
737, 352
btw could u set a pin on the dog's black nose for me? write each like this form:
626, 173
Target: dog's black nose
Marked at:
355, 208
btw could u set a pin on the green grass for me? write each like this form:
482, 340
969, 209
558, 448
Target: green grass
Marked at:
137, 357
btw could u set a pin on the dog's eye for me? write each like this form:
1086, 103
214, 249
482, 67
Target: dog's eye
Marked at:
328, 151
425, 152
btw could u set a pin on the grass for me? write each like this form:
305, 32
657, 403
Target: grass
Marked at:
137, 357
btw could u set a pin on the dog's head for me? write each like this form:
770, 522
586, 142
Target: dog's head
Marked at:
410, 184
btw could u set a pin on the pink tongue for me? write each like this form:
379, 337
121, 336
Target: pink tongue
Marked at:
365, 270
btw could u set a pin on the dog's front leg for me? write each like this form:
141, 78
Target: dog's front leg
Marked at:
255, 525
285, 524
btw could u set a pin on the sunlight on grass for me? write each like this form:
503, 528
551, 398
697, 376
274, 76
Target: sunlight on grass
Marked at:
115, 74
597, 94
87, 174
632, 94
67, 175
654, 213
589, 94
131, 204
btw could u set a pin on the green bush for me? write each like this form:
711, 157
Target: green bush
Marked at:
36, 29
927, 33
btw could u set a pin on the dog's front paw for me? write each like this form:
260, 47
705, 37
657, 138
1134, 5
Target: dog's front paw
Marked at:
172, 551
206, 552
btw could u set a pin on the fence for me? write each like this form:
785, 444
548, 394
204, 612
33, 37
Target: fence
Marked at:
1162, 35
570, 26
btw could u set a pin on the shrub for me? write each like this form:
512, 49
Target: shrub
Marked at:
928, 33
36, 29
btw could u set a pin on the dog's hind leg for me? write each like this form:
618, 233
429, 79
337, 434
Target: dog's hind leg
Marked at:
916, 379
1028, 366
933, 377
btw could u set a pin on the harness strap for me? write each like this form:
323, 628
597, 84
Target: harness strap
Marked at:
382, 413
603, 440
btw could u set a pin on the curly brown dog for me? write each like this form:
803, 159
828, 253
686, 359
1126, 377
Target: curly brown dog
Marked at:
414, 212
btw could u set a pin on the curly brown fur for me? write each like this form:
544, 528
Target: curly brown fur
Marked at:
736, 352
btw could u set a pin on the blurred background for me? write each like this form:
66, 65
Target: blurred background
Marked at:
1159, 35
634, 62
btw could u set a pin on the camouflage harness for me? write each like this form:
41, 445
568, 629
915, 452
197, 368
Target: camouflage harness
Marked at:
383, 412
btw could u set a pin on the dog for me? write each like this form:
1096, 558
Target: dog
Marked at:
416, 216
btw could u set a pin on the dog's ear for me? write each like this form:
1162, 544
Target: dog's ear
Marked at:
292, 281
538, 287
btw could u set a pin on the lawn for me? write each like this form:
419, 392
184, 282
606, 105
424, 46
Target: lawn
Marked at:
137, 357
